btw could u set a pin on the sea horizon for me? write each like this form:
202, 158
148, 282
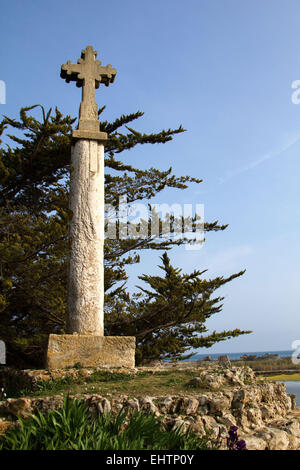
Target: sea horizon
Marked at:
237, 355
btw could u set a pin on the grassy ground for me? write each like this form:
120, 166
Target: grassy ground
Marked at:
269, 365
158, 383
284, 377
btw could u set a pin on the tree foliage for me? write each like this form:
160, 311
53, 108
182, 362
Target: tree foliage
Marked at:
34, 186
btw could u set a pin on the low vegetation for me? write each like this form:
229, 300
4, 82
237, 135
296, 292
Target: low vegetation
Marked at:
107, 384
159, 382
284, 363
73, 427
284, 377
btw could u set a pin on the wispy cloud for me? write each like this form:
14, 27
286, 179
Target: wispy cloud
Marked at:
231, 173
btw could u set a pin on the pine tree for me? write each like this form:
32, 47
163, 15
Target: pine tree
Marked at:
34, 187
171, 316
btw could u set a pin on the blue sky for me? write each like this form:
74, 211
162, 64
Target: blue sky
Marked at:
224, 71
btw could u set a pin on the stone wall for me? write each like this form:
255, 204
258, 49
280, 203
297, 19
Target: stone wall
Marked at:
265, 414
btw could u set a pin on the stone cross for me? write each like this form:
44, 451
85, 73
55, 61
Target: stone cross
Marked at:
88, 73
86, 271
84, 342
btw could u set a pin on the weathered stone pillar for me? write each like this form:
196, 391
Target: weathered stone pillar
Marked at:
85, 343
86, 271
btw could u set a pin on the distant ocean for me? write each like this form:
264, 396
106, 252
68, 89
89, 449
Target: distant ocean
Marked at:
236, 356
291, 386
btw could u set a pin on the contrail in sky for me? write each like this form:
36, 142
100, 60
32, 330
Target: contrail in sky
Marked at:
231, 173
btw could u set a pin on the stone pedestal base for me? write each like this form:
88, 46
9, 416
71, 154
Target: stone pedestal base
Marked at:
90, 351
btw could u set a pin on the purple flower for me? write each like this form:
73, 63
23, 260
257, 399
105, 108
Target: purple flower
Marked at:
233, 442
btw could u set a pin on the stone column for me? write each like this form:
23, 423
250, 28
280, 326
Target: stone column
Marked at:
84, 342
86, 271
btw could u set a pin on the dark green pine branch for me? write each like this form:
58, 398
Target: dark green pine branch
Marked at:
168, 316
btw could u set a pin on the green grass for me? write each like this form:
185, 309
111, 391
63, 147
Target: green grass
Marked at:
284, 377
269, 365
74, 428
105, 383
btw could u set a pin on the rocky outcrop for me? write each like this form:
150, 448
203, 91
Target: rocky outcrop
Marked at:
265, 414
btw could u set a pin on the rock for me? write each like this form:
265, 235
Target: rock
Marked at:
227, 420
293, 400
223, 431
254, 416
294, 442
48, 403
118, 407
279, 439
198, 426
5, 425
179, 423
104, 406
133, 403
207, 359
196, 382
148, 405
203, 410
20, 407
224, 361
92, 351
37, 376
267, 412
214, 432
169, 404
188, 406
203, 400
218, 404
228, 374
214, 381
293, 427
239, 399
209, 422
254, 442
242, 421
166, 404
61, 374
